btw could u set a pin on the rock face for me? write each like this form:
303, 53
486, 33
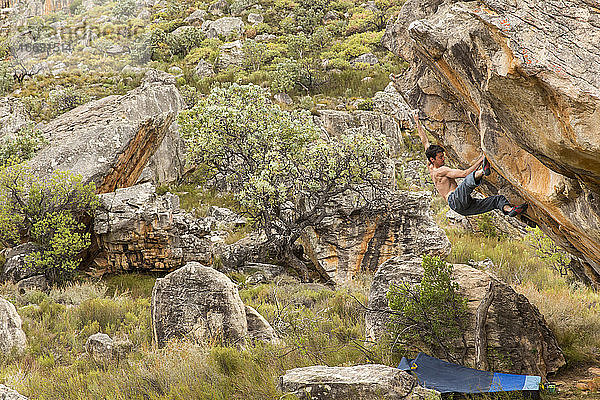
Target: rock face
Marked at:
518, 339
12, 337
7, 393
110, 141
353, 241
199, 303
503, 77
136, 229
337, 123
361, 382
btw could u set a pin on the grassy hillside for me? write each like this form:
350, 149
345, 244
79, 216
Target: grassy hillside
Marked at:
307, 49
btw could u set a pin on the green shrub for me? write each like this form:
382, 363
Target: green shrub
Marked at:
124, 9
281, 170
365, 105
432, 314
6, 78
48, 213
21, 147
66, 99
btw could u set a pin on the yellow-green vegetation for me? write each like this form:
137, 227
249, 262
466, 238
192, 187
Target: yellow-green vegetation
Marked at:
197, 198
317, 324
49, 213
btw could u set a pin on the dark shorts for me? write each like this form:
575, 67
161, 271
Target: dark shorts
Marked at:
461, 201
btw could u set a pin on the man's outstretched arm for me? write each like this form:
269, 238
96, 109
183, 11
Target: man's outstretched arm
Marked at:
460, 173
420, 130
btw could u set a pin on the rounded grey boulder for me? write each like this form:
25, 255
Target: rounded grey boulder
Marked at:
198, 303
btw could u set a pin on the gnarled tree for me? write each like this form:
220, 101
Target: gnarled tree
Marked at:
277, 163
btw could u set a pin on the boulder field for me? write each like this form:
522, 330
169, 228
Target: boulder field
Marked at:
518, 80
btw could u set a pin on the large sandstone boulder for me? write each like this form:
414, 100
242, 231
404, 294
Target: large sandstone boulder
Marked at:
110, 141
12, 337
503, 77
518, 338
198, 303
360, 382
355, 240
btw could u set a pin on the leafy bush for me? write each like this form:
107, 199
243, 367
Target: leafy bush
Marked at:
279, 168
183, 40
124, 9
365, 105
66, 99
7, 79
48, 213
22, 146
548, 251
432, 314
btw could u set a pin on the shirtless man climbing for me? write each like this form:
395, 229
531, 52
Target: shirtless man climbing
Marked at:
459, 196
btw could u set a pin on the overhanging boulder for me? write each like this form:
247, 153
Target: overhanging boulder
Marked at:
503, 77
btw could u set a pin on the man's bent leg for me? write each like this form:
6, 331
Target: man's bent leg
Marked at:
480, 206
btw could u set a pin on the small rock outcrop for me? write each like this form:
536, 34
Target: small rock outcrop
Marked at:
110, 141
517, 80
12, 337
196, 18
204, 69
13, 116
226, 26
364, 382
104, 349
17, 267
518, 338
198, 303
7, 393
254, 18
367, 58
355, 240
136, 229
259, 328
231, 54
337, 123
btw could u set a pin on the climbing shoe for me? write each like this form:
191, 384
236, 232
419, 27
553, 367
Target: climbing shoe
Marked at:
486, 168
516, 210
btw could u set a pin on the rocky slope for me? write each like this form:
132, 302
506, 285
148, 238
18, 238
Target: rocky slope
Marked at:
518, 80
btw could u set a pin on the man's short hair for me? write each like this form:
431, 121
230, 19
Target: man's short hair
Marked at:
433, 150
